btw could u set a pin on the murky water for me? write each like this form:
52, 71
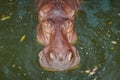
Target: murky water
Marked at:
98, 28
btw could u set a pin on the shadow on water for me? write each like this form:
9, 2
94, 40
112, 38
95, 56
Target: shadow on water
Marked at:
98, 28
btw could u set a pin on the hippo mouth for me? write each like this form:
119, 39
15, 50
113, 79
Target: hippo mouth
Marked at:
59, 61
56, 32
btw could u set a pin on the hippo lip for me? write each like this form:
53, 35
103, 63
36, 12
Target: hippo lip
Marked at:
47, 63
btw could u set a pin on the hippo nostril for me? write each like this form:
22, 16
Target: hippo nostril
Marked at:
69, 56
52, 55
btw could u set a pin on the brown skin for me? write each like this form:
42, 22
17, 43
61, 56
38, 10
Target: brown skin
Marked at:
56, 31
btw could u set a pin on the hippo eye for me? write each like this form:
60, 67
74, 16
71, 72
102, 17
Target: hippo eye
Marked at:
46, 26
68, 26
71, 14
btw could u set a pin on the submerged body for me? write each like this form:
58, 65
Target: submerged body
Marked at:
56, 32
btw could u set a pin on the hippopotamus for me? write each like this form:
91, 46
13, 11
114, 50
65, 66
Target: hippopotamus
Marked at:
56, 32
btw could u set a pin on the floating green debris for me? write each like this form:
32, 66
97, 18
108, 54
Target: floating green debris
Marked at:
91, 72
4, 17
112, 48
110, 22
13, 65
22, 38
24, 74
114, 42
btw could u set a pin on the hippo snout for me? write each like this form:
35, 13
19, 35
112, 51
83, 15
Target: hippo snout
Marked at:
63, 60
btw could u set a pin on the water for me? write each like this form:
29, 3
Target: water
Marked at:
98, 28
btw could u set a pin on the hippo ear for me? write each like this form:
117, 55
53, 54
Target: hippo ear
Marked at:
71, 14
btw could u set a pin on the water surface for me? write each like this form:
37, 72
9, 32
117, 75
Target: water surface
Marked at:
98, 28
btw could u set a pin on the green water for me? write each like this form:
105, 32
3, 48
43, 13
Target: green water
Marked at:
98, 28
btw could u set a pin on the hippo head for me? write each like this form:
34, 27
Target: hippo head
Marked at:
56, 31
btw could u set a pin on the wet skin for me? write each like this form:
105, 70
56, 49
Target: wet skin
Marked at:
56, 32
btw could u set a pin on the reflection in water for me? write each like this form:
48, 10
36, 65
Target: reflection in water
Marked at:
98, 42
